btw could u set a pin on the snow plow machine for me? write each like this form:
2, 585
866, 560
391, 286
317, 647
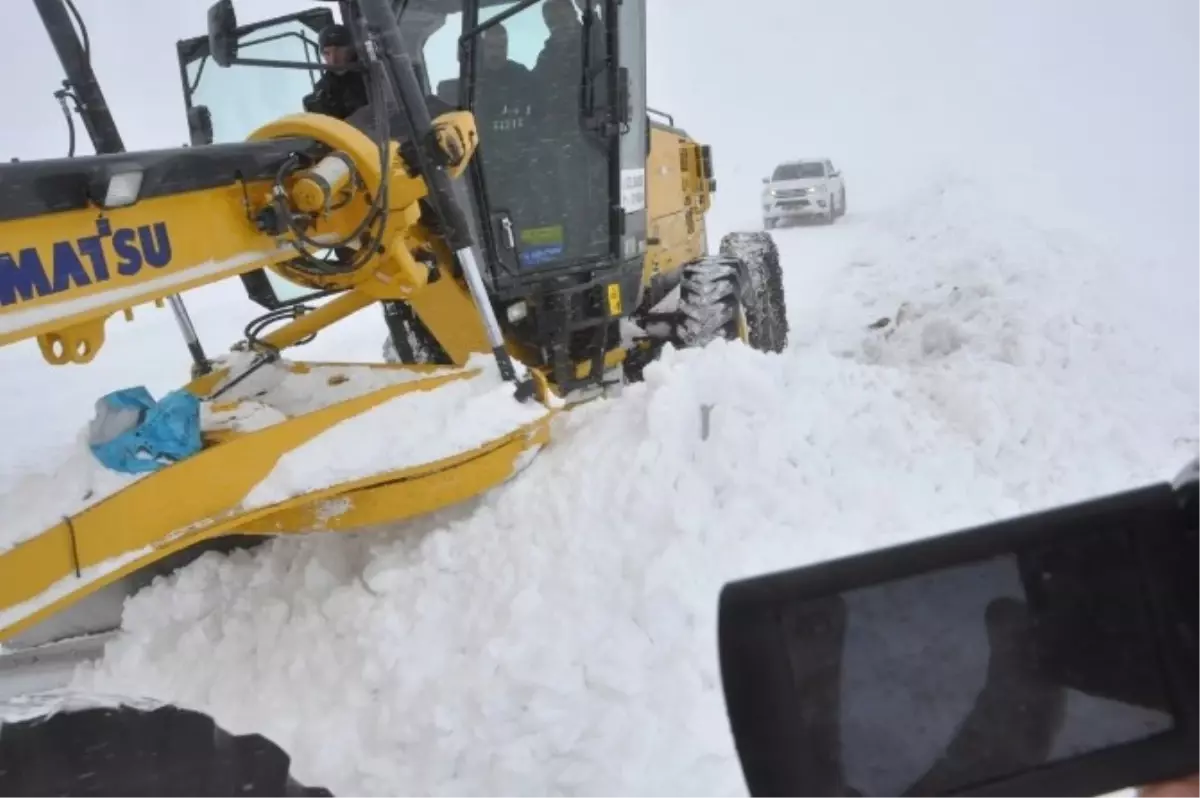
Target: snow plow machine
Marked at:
529, 244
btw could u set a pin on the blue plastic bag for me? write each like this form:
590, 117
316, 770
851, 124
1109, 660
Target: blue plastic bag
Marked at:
133, 434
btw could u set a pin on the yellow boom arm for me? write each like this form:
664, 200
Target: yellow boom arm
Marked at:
203, 215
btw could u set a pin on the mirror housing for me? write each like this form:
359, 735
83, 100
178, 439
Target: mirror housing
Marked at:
200, 125
766, 180
222, 32
1023, 606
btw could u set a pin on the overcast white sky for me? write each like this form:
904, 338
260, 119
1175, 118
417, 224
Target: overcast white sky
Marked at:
133, 52
1087, 109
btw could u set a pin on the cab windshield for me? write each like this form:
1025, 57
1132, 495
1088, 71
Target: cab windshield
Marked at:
538, 99
243, 98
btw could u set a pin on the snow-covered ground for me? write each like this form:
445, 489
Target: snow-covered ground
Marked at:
558, 636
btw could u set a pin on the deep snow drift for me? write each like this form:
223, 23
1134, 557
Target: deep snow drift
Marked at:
558, 635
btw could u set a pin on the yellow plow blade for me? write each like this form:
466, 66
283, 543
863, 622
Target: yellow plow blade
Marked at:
431, 438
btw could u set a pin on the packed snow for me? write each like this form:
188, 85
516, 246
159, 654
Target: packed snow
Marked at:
558, 635
421, 427
290, 390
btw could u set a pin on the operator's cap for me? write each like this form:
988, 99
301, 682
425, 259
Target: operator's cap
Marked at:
335, 36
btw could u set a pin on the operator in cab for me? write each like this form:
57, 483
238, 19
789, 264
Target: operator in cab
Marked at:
343, 93
503, 86
563, 51
341, 90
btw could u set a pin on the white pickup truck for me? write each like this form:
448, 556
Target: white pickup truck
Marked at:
801, 190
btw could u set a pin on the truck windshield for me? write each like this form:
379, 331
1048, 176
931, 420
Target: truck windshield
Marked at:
798, 171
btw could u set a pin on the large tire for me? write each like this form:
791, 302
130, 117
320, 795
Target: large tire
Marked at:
134, 751
709, 301
763, 300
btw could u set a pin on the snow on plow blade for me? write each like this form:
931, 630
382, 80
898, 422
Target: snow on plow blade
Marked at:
298, 447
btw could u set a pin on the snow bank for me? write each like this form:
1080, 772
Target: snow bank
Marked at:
558, 635
1029, 341
295, 392
403, 432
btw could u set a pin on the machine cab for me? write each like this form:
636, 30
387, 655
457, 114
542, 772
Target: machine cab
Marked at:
558, 91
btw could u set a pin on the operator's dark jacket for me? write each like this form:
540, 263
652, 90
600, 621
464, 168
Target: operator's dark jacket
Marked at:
342, 95
338, 94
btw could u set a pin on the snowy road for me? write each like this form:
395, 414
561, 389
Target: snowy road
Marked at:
558, 636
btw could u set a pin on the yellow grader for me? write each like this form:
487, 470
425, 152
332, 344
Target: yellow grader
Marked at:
532, 235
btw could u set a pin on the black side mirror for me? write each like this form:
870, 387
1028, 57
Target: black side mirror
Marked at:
200, 125
222, 32
977, 634
766, 180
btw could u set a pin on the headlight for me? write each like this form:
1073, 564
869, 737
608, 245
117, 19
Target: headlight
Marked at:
123, 189
773, 192
517, 312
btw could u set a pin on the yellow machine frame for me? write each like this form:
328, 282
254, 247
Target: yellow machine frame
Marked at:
63, 290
